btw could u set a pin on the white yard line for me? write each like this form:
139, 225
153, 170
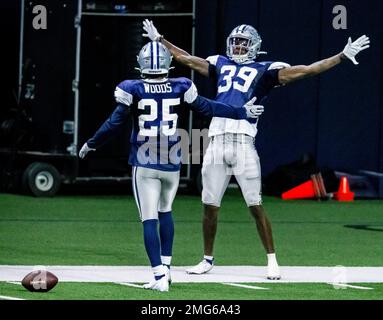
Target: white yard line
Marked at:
345, 285
219, 274
245, 286
9, 298
14, 282
129, 284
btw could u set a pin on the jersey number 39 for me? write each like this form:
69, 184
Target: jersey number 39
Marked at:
245, 74
168, 117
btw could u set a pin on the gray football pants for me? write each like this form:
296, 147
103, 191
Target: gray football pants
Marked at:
154, 191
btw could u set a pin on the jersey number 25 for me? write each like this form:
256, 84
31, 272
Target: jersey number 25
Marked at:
152, 131
246, 74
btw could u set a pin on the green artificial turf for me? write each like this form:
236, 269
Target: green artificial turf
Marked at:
105, 230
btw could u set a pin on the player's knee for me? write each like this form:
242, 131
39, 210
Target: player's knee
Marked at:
211, 212
149, 216
253, 199
257, 212
209, 199
210, 195
165, 206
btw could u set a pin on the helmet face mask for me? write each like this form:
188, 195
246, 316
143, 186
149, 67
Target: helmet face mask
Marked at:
243, 44
240, 46
154, 59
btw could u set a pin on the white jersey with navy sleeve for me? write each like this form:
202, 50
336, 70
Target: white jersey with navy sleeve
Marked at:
238, 83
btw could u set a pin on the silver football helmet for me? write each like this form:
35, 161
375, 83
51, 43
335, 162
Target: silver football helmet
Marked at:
243, 44
154, 59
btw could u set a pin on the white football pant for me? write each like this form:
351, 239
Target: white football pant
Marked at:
231, 154
154, 191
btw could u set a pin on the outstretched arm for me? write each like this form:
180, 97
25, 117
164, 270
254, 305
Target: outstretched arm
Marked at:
109, 128
294, 73
196, 63
212, 108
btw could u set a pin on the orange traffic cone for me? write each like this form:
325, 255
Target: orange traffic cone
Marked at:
303, 191
344, 193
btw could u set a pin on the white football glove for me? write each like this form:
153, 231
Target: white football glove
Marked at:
84, 151
253, 110
151, 30
353, 48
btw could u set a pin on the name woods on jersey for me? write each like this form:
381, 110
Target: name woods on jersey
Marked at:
158, 88
154, 104
238, 78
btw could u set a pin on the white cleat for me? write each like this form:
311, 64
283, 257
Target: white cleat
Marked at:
273, 272
158, 285
201, 268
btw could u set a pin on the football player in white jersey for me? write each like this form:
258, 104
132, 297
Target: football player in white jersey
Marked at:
240, 77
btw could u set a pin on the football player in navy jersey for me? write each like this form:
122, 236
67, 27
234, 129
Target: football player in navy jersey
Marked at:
153, 104
239, 78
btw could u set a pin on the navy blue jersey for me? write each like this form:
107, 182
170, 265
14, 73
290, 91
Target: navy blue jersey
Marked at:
154, 107
238, 83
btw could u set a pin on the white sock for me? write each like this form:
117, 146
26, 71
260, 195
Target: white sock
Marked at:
167, 260
159, 271
209, 258
272, 259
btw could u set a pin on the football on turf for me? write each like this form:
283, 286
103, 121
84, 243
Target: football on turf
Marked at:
39, 281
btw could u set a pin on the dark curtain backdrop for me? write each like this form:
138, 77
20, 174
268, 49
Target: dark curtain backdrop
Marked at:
337, 116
